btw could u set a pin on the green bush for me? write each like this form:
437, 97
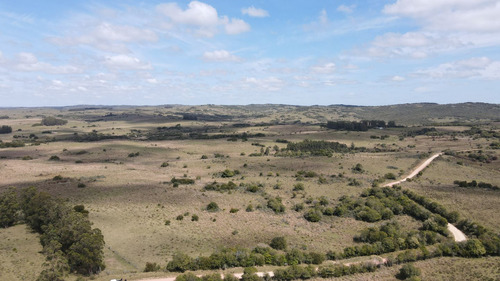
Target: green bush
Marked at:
313, 215
180, 262
54, 158
151, 266
408, 271
233, 210
276, 205
212, 207
194, 217
278, 243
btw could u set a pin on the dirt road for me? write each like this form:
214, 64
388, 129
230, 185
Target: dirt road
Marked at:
417, 170
457, 234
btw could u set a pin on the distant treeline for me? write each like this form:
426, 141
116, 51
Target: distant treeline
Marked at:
364, 125
475, 184
314, 148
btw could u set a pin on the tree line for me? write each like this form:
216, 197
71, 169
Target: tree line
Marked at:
69, 242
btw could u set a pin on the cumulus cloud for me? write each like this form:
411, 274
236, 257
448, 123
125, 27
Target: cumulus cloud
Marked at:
326, 68
124, 62
220, 56
236, 26
255, 12
479, 67
202, 16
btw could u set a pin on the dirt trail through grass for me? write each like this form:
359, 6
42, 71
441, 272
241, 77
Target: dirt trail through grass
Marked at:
376, 261
457, 234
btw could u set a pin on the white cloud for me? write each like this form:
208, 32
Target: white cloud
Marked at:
29, 62
220, 56
272, 84
236, 26
346, 9
124, 62
398, 78
255, 12
203, 16
412, 44
197, 13
326, 68
451, 15
107, 37
479, 67
152, 81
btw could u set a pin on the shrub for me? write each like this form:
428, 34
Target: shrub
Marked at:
151, 266
408, 271
249, 208
187, 277
276, 205
179, 217
81, 185
313, 215
181, 181
298, 187
233, 210
390, 176
167, 222
278, 243
54, 158
194, 218
204, 157
212, 207
164, 164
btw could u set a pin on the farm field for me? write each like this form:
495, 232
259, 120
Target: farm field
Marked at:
147, 174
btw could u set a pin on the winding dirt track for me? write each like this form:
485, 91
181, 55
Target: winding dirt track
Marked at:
457, 234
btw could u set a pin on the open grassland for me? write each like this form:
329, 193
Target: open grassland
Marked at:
20, 257
124, 178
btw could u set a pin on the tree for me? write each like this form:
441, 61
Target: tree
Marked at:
278, 243
472, 248
180, 262
52, 121
9, 207
408, 271
5, 129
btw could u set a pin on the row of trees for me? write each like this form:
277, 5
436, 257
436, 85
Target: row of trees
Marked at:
68, 239
364, 125
474, 184
241, 257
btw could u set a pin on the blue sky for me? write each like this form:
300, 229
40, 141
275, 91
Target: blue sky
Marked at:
368, 52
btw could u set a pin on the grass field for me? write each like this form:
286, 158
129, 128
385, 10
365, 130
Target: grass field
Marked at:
130, 196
